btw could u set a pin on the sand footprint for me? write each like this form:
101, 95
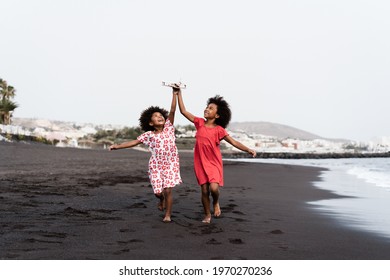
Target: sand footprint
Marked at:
137, 205
212, 241
236, 241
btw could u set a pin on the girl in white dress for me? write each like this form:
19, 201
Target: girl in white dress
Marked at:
164, 167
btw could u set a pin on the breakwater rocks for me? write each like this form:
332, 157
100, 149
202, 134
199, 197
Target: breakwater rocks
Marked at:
308, 155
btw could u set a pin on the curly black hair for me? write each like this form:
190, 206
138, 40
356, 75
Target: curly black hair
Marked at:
223, 110
147, 114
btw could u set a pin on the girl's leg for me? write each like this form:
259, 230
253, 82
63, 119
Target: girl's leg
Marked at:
161, 203
214, 188
168, 204
206, 203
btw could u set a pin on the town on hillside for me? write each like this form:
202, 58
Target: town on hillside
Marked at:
78, 135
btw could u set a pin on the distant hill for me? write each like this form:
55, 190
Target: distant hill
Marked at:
273, 129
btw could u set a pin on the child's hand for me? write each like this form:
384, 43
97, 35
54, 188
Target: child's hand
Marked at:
112, 147
252, 152
175, 88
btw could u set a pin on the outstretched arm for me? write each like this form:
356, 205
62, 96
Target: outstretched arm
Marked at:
125, 145
171, 115
239, 145
183, 109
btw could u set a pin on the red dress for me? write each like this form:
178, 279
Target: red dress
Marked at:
207, 155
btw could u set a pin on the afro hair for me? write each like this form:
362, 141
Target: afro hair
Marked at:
147, 114
223, 110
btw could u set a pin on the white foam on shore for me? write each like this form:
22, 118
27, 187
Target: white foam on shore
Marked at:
364, 187
367, 207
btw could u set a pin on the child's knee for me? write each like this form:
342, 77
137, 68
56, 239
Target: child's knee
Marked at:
205, 191
214, 188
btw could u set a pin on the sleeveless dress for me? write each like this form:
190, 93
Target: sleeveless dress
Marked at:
164, 167
207, 155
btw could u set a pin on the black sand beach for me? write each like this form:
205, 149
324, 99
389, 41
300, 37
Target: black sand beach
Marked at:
64, 203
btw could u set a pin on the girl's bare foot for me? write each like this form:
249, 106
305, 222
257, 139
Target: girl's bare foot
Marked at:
167, 219
207, 219
217, 210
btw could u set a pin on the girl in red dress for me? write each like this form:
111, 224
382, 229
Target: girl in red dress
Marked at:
210, 130
159, 136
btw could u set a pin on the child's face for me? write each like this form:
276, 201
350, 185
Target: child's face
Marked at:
157, 119
211, 111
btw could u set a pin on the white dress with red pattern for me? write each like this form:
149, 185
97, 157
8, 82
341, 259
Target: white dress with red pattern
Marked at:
164, 167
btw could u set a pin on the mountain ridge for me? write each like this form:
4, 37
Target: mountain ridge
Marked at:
275, 130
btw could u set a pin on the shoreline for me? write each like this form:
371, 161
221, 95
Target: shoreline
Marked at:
362, 185
304, 155
94, 204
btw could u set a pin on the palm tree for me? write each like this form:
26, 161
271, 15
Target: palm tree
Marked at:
7, 92
6, 109
3, 84
6, 104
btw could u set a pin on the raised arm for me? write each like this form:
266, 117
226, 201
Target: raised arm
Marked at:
183, 109
125, 145
172, 111
239, 145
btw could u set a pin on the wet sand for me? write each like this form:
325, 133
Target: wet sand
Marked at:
64, 203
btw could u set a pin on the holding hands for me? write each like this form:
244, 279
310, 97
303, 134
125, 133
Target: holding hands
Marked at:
176, 88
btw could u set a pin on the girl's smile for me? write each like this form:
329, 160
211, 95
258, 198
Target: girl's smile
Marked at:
157, 119
211, 111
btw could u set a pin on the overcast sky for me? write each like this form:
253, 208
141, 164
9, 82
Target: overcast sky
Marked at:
320, 66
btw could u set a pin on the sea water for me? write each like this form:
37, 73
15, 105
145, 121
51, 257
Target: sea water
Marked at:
362, 183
